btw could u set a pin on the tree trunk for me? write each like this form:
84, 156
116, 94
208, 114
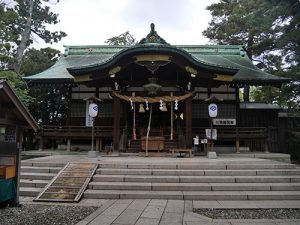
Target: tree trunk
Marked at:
25, 35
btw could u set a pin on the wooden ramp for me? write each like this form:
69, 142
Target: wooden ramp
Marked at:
69, 184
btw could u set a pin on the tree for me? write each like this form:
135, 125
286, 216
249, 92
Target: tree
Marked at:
7, 35
50, 102
18, 85
30, 20
36, 61
269, 31
122, 39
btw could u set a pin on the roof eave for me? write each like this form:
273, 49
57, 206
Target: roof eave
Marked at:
19, 105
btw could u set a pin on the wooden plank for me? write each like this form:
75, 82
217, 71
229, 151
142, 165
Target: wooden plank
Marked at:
69, 184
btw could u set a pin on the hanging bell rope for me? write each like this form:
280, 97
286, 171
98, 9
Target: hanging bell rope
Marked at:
152, 99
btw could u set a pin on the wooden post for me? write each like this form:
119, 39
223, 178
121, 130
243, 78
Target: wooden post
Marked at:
19, 137
237, 145
40, 143
116, 125
97, 145
133, 121
172, 129
188, 122
100, 145
68, 144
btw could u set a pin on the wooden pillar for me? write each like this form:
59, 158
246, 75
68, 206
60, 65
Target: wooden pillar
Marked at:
237, 145
100, 144
116, 125
41, 143
68, 145
172, 120
188, 123
19, 140
97, 144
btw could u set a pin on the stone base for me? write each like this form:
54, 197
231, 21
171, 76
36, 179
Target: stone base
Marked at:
92, 154
212, 155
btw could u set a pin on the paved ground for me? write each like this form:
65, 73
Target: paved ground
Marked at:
173, 212
162, 212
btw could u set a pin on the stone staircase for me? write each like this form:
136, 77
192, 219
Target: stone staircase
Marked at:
36, 175
135, 145
226, 180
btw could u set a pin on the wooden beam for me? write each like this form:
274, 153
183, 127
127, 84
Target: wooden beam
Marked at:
116, 125
188, 122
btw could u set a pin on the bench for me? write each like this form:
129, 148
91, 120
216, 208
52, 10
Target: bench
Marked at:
182, 150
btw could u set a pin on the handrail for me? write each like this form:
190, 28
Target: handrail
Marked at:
234, 132
66, 131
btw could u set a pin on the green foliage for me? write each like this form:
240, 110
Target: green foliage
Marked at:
122, 39
41, 17
22, 22
7, 35
36, 61
270, 32
51, 104
18, 85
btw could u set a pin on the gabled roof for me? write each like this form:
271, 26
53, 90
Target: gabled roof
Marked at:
7, 95
219, 59
83, 58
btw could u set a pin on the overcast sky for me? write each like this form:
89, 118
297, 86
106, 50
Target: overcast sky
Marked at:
92, 22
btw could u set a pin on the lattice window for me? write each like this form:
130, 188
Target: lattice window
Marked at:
226, 111
106, 110
10, 134
200, 111
78, 109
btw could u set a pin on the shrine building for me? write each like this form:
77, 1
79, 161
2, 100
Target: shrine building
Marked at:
168, 85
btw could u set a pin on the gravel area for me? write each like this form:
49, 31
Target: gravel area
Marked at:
250, 213
44, 214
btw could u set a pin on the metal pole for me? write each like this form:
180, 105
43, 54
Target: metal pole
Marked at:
211, 139
93, 134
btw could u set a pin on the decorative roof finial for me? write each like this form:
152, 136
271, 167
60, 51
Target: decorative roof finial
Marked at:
153, 37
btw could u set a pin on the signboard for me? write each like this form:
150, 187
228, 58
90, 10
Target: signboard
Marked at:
214, 134
224, 122
88, 118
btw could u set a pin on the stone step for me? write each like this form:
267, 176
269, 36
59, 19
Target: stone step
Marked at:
178, 172
36, 169
202, 166
193, 195
261, 166
30, 191
42, 164
195, 186
196, 179
37, 176
33, 183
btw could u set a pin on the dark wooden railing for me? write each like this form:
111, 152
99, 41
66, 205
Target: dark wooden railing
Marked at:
229, 133
75, 131
256, 138
251, 136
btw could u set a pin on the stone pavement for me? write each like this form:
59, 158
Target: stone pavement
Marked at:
171, 212
162, 212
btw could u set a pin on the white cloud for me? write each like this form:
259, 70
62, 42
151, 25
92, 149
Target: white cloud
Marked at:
91, 22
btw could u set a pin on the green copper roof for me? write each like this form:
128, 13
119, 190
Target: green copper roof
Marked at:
228, 58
